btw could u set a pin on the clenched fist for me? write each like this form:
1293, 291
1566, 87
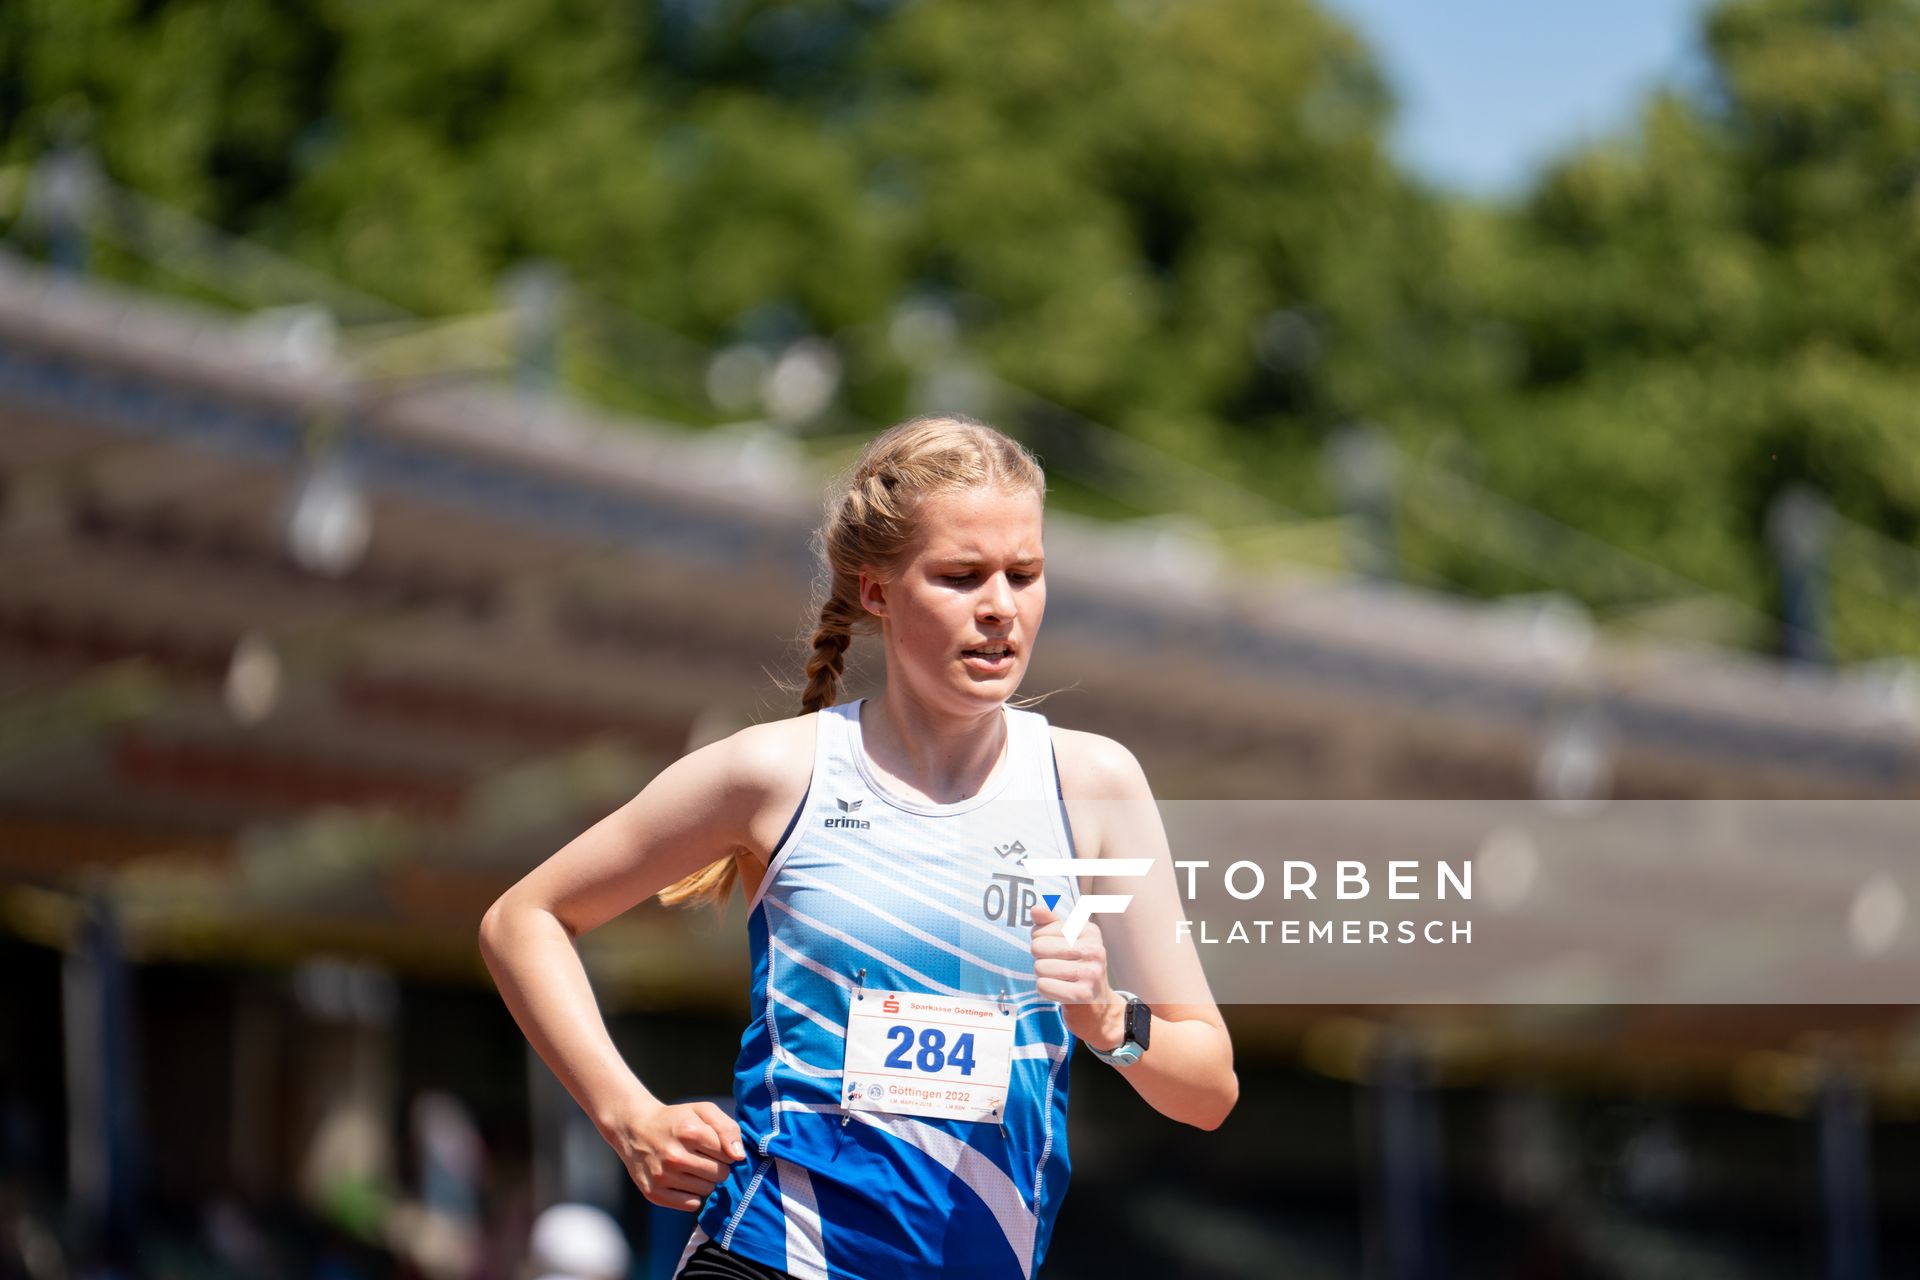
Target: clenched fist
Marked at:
677, 1154
1075, 974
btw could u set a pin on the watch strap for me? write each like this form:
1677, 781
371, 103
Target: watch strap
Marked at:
1129, 1050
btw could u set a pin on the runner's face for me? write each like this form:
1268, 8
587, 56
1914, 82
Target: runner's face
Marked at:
961, 615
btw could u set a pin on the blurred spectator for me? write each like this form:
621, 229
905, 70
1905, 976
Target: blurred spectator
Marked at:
577, 1242
452, 1158
440, 1234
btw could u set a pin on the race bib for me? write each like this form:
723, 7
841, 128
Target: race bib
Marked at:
948, 1057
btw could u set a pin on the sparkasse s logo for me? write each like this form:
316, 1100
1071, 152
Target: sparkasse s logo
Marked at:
848, 807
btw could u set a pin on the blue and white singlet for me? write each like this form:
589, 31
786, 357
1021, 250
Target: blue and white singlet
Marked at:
926, 899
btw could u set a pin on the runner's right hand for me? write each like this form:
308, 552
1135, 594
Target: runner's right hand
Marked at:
677, 1154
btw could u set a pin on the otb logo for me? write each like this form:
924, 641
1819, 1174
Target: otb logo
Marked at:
1010, 897
848, 807
1088, 905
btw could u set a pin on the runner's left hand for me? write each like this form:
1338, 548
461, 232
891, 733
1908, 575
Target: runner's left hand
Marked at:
1075, 974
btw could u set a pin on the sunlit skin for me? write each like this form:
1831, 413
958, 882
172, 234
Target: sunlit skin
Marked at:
973, 578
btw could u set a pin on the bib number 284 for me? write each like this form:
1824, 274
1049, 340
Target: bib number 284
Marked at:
934, 1053
924, 1055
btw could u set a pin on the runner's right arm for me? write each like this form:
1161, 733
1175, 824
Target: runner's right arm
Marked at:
716, 800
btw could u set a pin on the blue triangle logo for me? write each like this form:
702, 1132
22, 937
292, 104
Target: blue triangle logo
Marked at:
1051, 899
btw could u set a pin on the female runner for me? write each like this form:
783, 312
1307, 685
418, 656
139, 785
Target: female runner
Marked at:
901, 1089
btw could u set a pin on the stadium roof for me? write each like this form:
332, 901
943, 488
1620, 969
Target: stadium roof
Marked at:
552, 603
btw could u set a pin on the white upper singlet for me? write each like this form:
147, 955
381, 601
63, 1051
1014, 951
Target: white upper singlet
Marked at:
929, 899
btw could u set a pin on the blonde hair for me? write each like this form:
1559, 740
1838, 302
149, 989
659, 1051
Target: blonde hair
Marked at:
872, 518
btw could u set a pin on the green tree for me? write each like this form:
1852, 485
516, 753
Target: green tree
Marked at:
1720, 306
1178, 218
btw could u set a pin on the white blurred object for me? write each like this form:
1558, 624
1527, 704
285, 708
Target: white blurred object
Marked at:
442, 1233
1878, 914
1176, 547
1506, 867
441, 1246
954, 384
1885, 691
735, 376
534, 292
303, 338
577, 1242
759, 457
1575, 766
252, 687
330, 522
1363, 463
339, 990
803, 382
452, 1157
922, 329
1555, 627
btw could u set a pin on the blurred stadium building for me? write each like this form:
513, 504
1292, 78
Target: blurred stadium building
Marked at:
305, 663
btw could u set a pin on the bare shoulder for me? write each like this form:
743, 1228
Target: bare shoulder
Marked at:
772, 763
1097, 768
1104, 788
770, 756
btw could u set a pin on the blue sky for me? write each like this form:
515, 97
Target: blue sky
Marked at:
1489, 88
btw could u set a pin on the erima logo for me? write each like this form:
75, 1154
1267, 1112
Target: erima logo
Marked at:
848, 806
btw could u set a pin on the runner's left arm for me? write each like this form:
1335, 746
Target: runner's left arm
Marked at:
1187, 1072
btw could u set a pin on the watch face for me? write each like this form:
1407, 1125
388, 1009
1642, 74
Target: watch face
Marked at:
1139, 1023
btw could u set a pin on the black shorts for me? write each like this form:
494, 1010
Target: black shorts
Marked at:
711, 1262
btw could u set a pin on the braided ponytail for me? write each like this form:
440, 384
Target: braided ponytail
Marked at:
870, 523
